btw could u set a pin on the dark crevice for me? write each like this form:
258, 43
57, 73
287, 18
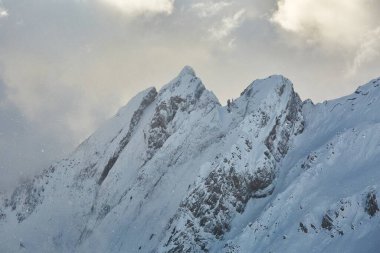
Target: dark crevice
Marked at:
148, 99
107, 168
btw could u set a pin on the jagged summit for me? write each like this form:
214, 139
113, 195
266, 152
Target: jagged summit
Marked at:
187, 70
143, 93
174, 171
188, 84
373, 84
185, 85
270, 84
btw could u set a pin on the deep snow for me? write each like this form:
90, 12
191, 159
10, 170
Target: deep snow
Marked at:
174, 171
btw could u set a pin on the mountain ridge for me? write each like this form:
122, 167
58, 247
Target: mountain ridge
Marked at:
174, 171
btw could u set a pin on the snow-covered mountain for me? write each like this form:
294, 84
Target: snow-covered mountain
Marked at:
174, 171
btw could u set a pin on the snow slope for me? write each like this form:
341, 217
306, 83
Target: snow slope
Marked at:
174, 171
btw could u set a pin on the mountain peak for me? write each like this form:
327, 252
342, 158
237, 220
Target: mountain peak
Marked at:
275, 90
187, 70
373, 84
267, 85
185, 84
263, 174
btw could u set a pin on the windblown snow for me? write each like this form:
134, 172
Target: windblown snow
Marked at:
175, 171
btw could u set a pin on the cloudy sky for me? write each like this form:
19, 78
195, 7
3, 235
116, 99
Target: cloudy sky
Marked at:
67, 65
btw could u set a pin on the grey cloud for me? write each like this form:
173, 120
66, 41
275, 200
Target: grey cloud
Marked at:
2, 91
25, 148
368, 50
211, 8
227, 25
68, 65
139, 7
334, 24
3, 11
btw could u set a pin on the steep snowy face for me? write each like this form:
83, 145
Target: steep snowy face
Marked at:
73, 197
63, 195
174, 171
174, 129
181, 96
327, 192
265, 119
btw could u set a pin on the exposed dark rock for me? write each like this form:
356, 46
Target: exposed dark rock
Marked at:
111, 162
309, 161
3, 216
104, 210
280, 90
226, 191
287, 124
327, 222
87, 172
371, 206
264, 118
26, 198
303, 228
165, 113
147, 100
213, 205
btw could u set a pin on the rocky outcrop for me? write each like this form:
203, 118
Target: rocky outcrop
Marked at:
159, 130
26, 197
147, 100
174, 171
371, 206
210, 207
182, 95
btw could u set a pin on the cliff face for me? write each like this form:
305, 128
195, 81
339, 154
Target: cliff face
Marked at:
263, 123
174, 171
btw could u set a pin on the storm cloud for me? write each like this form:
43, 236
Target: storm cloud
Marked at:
68, 65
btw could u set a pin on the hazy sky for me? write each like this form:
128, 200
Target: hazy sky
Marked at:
67, 65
